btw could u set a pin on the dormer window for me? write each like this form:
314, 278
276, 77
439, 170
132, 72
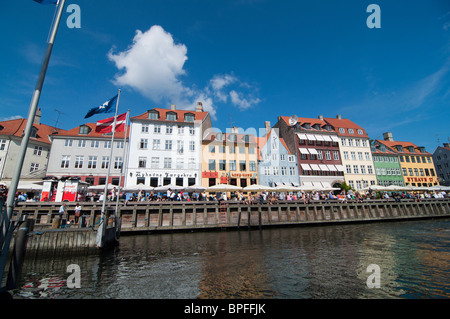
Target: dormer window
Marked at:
307, 126
84, 129
153, 115
399, 148
33, 132
316, 126
327, 127
422, 149
341, 130
360, 132
411, 149
189, 117
383, 148
350, 131
171, 116
232, 137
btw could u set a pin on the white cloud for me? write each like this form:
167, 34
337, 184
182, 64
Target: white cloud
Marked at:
154, 65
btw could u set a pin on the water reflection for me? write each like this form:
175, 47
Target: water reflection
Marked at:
309, 262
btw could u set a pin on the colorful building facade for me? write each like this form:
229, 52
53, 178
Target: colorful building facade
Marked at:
416, 163
387, 166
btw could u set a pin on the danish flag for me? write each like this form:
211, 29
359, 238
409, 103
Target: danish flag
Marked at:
106, 125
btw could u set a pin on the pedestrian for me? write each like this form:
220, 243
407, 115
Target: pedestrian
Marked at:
62, 210
77, 212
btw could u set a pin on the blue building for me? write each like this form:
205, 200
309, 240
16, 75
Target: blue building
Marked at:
276, 165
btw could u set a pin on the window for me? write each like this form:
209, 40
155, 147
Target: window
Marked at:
350, 142
369, 169
319, 154
252, 166
168, 145
367, 154
156, 144
348, 169
292, 170
355, 169
169, 129
346, 155
358, 184
84, 129
336, 155
360, 132
353, 155
360, 156
180, 147
143, 144
241, 150
107, 144
34, 167
328, 155
79, 161
155, 162
343, 142
232, 165
222, 165
364, 143
180, 130
2, 145
212, 165
65, 161
350, 131
105, 161
212, 149
267, 171
167, 162
120, 144
153, 115
291, 158
68, 143
283, 171
157, 129
421, 172
242, 166
232, 150
192, 145
221, 149
95, 144
191, 130
118, 161
416, 172
180, 163
357, 142
144, 128
363, 169
92, 162
189, 117
171, 116
251, 150
410, 171
37, 150
142, 162
342, 130
275, 171
405, 172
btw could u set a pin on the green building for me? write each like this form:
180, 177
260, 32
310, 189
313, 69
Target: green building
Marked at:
387, 166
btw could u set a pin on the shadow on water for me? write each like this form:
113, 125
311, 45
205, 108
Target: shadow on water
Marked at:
306, 262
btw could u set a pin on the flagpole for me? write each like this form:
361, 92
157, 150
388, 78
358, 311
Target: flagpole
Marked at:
123, 161
27, 132
105, 194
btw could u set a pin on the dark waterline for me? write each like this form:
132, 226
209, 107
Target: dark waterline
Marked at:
283, 263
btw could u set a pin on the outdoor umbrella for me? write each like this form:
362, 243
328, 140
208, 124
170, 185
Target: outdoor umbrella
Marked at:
101, 187
167, 187
223, 188
257, 188
195, 188
139, 187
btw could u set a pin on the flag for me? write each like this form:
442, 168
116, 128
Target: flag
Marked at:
104, 108
106, 125
47, 1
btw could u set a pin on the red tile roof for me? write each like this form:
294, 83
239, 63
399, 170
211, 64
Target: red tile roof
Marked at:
311, 121
76, 132
199, 116
346, 124
17, 127
392, 145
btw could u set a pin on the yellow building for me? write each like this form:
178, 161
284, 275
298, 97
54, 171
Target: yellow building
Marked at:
229, 158
416, 163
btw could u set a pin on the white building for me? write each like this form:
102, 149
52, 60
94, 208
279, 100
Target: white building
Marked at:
165, 147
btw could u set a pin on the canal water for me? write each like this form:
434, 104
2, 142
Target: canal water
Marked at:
320, 262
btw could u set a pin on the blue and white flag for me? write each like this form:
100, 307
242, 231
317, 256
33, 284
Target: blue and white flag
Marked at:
47, 1
104, 108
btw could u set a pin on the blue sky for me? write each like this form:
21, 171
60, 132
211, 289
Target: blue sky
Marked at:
248, 61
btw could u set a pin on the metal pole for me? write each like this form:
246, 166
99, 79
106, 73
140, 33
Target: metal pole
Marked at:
27, 133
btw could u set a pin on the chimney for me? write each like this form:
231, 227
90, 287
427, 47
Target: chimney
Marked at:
199, 107
447, 145
321, 117
267, 126
339, 117
235, 130
172, 107
388, 136
37, 117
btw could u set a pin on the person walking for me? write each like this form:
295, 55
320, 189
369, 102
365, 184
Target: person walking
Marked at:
77, 212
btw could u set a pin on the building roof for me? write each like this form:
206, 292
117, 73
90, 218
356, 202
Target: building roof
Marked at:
392, 145
16, 128
199, 116
311, 121
75, 132
211, 137
346, 124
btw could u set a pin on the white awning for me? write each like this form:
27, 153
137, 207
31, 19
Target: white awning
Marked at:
315, 167
320, 138
332, 168
326, 184
302, 136
334, 138
307, 184
303, 150
306, 167
327, 138
323, 167
312, 151
317, 184
310, 137
340, 168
